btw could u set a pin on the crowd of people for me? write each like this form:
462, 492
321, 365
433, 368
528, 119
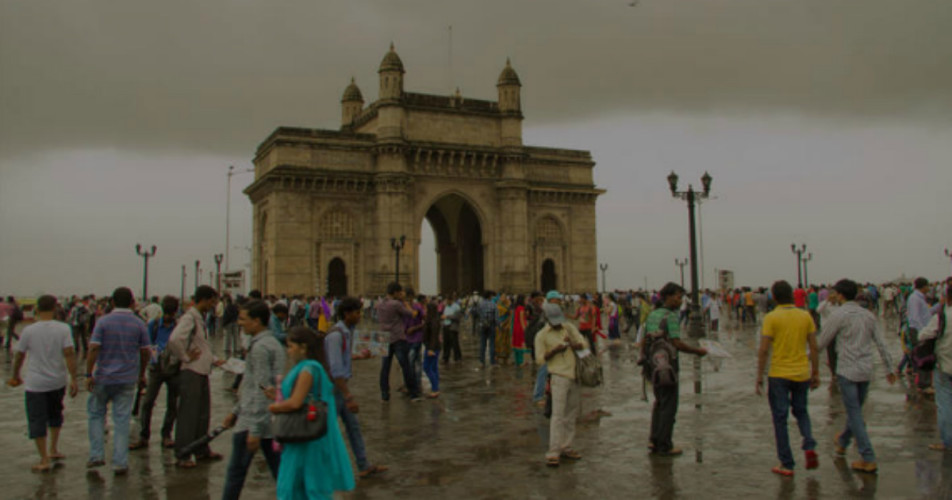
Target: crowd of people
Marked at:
300, 350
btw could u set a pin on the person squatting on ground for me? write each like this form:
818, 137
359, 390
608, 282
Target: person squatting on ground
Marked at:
554, 346
160, 330
47, 346
313, 469
119, 352
786, 333
264, 363
856, 332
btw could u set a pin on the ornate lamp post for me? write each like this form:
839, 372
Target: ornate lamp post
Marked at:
696, 325
146, 255
806, 276
681, 263
799, 254
198, 273
604, 268
397, 245
218, 259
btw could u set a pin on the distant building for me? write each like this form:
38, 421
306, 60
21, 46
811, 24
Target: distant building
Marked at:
506, 216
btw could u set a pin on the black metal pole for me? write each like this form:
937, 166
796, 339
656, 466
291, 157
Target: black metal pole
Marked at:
218, 260
604, 268
145, 268
197, 273
695, 293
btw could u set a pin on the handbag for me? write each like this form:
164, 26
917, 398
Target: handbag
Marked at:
307, 423
588, 369
923, 354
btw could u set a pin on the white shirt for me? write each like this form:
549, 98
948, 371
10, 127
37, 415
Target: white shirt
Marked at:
151, 312
43, 343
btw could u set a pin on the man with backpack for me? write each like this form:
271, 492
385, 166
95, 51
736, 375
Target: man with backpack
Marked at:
786, 334
937, 330
660, 361
163, 370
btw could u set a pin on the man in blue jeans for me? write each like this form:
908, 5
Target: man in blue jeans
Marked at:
486, 318
119, 353
786, 333
856, 331
338, 344
250, 418
391, 313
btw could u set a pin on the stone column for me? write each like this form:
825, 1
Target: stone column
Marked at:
512, 249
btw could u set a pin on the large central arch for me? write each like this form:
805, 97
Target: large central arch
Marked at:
458, 233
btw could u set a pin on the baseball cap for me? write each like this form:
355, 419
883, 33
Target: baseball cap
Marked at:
553, 294
553, 314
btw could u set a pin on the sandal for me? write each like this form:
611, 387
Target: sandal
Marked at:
370, 471
41, 467
783, 471
571, 454
138, 445
552, 461
185, 464
168, 443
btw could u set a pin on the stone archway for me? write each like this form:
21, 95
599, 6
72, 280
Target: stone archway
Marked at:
459, 245
337, 278
549, 279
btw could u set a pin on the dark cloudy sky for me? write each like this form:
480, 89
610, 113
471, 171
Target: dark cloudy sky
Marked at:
827, 122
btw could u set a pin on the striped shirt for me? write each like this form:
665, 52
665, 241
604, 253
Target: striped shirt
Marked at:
486, 313
855, 330
120, 335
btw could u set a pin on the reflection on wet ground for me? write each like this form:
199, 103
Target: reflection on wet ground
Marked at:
484, 438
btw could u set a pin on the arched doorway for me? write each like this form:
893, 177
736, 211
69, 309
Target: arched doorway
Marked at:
549, 278
459, 245
337, 278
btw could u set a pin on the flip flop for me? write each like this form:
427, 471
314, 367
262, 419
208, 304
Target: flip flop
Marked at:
552, 462
373, 469
41, 467
185, 464
571, 455
782, 471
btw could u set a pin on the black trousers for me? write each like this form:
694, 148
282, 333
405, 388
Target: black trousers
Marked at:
451, 343
663, 416
156, 381
194, 412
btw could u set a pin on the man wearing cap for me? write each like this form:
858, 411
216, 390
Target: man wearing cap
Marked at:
554, 346
666, 398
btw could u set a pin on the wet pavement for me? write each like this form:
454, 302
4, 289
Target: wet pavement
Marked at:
484, 438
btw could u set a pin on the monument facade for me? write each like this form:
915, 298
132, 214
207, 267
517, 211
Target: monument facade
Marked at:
329, 204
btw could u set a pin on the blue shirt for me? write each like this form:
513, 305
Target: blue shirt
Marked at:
338, 345
120, 335
277, 329
453, 313
162, 333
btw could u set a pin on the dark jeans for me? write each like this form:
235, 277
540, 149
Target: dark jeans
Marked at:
487, 338
194, 412
400, 349
81, 339
451, 343
590, 337
663, 416
156, 380
241, 460
432, 369
415, 356
352, 426
785, 396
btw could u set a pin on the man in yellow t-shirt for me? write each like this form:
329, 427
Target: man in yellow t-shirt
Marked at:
787, 331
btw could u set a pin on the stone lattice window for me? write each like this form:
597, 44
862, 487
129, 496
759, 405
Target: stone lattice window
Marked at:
336, 224
548, 230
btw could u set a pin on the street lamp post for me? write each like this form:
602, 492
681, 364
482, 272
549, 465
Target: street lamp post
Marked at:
397, 245
182, 296
799, 254
146, 255
696, 326
681, 263
218, 259
604, 268
198, 273
806, 276
231, 172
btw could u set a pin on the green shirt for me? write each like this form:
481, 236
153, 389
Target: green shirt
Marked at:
654, 320
813, 300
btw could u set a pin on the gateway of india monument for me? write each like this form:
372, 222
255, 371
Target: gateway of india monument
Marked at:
331, 205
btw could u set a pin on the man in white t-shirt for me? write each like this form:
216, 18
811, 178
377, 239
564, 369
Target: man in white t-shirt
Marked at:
47, 345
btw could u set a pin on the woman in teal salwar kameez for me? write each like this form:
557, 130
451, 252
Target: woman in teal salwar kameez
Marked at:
313, 469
